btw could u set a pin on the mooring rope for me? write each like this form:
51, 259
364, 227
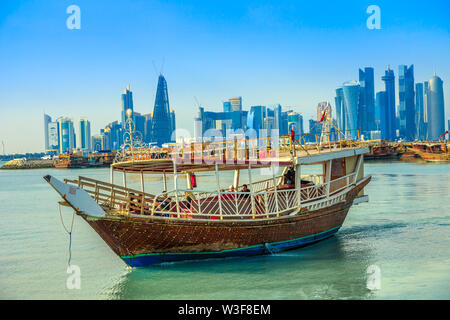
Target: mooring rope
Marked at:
69, 232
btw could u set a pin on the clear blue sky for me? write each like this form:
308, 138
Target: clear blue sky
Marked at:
290, 52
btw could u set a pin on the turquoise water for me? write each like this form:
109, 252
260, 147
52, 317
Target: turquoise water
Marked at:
404, 230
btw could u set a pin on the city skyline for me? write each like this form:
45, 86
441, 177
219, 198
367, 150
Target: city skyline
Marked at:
279, 61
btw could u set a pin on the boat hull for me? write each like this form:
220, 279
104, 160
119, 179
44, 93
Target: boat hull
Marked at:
141, 241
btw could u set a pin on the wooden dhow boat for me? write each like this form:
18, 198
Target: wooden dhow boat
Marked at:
433, 151
278, 213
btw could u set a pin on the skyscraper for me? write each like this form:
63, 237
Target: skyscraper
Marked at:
148, 127
420, 113
66, 135
84, 134
406, 98
351, 91
47, 120
340, 108
139, 124
366, 107
227, 106
127, 103
436, 118
388, 116
236, 103
323, 107
380, 112
173, 125
53, 137
161, 126
295, 121
259, 113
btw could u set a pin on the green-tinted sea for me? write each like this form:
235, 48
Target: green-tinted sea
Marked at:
403, 231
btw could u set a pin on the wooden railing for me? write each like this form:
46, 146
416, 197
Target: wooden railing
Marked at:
116, 197
267, 202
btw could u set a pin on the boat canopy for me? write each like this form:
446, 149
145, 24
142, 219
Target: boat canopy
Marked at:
185, 165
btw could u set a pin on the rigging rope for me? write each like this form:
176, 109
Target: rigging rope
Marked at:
69, 232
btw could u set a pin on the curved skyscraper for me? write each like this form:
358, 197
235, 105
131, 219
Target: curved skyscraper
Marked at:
161, 124
351, 97
435, 105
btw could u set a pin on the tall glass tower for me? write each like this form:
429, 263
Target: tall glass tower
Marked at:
366, 107
66, 135
420, 113
161, 124
47, 120
236, 103
340, 108
84, 134
436, 120
406, 98
127, 103
388, 116
351, 96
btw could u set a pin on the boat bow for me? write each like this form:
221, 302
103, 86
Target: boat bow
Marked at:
76, 197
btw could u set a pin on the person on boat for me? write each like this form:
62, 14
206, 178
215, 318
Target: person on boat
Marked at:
292, 134
289, 176
228, 195
247, 190
188, 199
165, 204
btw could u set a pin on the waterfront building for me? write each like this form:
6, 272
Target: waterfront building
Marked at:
223, 121
114, 134
84, 134
323, 107
161, 124
366, 108
295, 121
127, 103
420, 113
269, 124
448, 128
173, 125
259, 114
148, 127
227, 106
139, 125
425, 107
198, 133
435, 105
66, 135
47, 120
351, 91
340, 109
380, 111
388, 116
100, 141
236, 103
406, 109
53, 137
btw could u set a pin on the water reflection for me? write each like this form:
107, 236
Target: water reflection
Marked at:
330, 269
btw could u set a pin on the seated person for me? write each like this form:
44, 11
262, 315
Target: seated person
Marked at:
245, 189
289, 176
